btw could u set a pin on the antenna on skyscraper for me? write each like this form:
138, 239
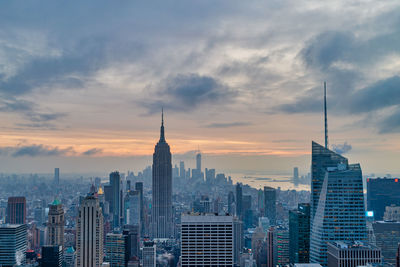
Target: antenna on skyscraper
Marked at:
326, 118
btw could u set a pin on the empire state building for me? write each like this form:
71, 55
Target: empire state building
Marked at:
162, 219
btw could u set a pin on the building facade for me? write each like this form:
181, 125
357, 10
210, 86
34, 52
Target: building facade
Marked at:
149, 254
299, 234
16, 210
162, 220
352, 254
13, 244
116, 249
270, 204
387, 238
89, 232
337, 202
55, 224
382, 192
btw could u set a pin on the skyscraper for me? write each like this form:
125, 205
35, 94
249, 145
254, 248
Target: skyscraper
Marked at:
56, 176
13, 244
270, 204
231, 201
89, 232
382, 192
162, 217
198, 162
132, 208
52, 256
296, 175
207, 240
149, 254
239, 199
299, 234
55, 225
337, 202
16, 210
115, 181
116, 249
182, 171
139, 187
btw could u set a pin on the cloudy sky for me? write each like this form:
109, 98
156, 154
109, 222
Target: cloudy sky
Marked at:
82, 83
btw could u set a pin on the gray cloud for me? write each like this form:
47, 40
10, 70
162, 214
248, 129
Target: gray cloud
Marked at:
186, 92
40, 150
342, 148
228, 125
93, 151
391, 123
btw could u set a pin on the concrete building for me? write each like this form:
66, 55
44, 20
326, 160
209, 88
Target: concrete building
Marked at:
392, 213
387, 238
89, 231
116, 249
149, 254
13, 244
55, 224
352, 254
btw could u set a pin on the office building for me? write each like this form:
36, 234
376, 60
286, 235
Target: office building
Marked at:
139, 187
392, 213
70, 257
387, 238
133, 240
52, 256
231, 203
207, 240
198, 162
149, 254
239, 200
271, 248
270, 204
13, 244
162, 217
56, 176
16, 210
352, 254
115, 182
210, 175
182, 171
132, 208
282, 247
89, 233
337, 202
299, 234
116, 249
382, 192
55, 224
296, 176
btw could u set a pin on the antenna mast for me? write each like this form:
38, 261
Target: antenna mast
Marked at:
326, 118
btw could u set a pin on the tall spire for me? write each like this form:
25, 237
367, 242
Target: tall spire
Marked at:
162, 137
326, 118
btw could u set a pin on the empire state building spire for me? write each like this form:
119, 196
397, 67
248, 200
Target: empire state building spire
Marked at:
162, 137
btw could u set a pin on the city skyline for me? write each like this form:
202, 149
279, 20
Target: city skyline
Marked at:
246, 86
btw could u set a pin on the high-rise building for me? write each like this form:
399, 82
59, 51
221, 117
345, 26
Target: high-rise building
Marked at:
382, 192
52, 256
270, 204
353, 254
139, 187
231, 202
207, 240
149, 254
198, 162
89, 232
387, 238
337, 202
13, 244
282, 247
398, 256
299, 234
133, 240
16, 210
239, 200
271, 248
55, 224
162, 217
56, 176
116, 249
70, 257
132, 208
210, 175
296, 175
115, 181
182, 171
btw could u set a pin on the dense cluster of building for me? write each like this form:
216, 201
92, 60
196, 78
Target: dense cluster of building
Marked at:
172, 216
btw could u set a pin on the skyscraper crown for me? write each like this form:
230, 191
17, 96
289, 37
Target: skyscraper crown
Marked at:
162, 136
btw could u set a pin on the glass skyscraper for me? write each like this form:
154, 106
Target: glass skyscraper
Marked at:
299, 234
337, 202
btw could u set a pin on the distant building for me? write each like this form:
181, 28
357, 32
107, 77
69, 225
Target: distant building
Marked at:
132, 208
382, 192
210, 176
162, 217
56, 176
270, 204
299, 234
13, 244
116, 249
55, 225
70, 257
296, 175
52, 256
149, 254
133, 240
231, 203
239, 200
89, 232
392, 213
115, 182
336, 186
199, 232
352, 254
16, 210
182, 171
198, 162
387, 238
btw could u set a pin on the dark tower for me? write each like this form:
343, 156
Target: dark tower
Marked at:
326, 118
162, 218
